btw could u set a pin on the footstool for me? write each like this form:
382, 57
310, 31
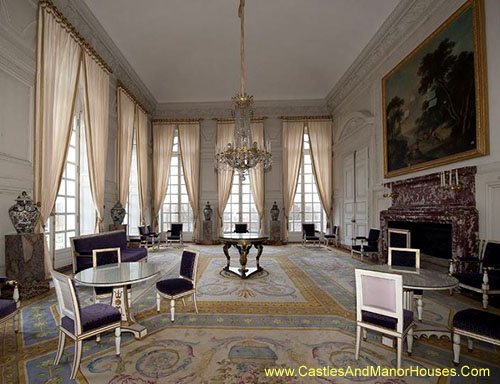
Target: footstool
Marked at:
474, 324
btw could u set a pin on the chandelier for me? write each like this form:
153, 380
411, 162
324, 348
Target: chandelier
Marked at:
243, 153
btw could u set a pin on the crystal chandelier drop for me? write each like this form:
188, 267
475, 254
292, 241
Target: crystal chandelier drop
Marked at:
243, 154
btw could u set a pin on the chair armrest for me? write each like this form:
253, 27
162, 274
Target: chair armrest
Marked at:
364, 238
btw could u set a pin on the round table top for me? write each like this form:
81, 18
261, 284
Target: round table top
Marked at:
243, 236
116, 275
424, 279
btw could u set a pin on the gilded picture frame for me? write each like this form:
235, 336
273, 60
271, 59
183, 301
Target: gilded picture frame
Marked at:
435, 100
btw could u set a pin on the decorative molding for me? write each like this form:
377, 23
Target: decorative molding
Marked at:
405, 18
354, 122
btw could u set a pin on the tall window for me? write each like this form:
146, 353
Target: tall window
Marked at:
307, 206
73, 212
133, 216
240, 207
176, 207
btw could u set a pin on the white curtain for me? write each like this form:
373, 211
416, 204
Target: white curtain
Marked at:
189, 144
292, 143
126, 119
96, 104
224, 135
57, 69
257, 174
320, 141
142, 158
163, 139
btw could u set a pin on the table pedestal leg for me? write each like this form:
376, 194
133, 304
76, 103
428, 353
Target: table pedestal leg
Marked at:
243, 249
225, 248
259, 248
119, 300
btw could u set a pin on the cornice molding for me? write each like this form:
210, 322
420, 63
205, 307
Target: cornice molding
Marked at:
223, 109
406, 17
78, 13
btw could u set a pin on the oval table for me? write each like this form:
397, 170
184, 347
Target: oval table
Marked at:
118, 276
425, 280
243, 242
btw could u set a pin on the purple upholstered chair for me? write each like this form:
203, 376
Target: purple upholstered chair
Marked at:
485, 278
334, 236
241, 228
368, 244
379, 307
309, 233
81, 323
9, 309
175, 234
184, 285
148, 239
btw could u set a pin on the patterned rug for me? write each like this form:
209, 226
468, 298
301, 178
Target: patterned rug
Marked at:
300, 312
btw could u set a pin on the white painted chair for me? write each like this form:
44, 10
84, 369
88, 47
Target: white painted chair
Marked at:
379, 307
81, 323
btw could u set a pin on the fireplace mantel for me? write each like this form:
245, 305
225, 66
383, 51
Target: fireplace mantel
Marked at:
421, 199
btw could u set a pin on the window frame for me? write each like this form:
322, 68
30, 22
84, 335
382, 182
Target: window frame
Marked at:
228, 223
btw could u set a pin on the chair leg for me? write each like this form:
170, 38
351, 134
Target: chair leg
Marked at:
420, 305
183, 301
470, 344
172, 310
118, 338
60, 348
365, 333
16, 322
485, 300
158, 302
76, 359
409, 341
399, 351
195, 304
358, 341
456, 348
98, 338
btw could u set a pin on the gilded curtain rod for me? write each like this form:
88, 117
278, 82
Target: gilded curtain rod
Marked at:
127, 91
60, 18
231, 120
306, 118
177, 121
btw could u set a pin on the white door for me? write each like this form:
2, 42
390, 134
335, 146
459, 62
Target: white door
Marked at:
355, 195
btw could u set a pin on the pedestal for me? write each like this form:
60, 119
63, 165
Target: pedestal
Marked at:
274, 232
24, 262
207, 237
118, 227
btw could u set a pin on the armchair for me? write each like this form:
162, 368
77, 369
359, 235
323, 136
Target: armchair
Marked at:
309, 233
368, 244
9, 308
484, 276
333, 237
175, 234
241, 228
148, 239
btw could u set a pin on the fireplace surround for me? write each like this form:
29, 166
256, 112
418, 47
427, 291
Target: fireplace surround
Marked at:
421, 200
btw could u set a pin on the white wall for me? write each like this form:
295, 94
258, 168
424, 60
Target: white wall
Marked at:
17, 74
358, 122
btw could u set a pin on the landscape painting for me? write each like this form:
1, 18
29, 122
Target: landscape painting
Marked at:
435, 99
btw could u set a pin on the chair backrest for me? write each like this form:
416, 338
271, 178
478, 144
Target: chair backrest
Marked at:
380, 293
404, 257
309, 229
189, 264
241, 228
150, 229
67, 299
143, 231
176, 229
373, 237
399, 238
335, 230
106, 256
491, 254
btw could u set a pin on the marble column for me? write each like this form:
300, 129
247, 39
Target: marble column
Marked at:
208, 233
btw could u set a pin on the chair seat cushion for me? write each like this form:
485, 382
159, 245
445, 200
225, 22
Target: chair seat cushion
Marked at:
312, 238
93, 316
173, 287
479, 322
330, 236
133, 254
386, 321
366, 248
475, 280
173, 237
7, 307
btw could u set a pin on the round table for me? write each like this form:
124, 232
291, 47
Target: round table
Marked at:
243, 242
118, 276
425, 280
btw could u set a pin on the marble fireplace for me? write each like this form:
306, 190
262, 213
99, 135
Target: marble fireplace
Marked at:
443, 222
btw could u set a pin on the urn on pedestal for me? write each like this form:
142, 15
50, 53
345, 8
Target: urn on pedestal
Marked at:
275, 212
118, 213
24, 214
207, 211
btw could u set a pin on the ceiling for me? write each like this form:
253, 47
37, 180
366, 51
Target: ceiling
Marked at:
188, 50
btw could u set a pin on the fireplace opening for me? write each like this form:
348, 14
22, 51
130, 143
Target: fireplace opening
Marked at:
432, 239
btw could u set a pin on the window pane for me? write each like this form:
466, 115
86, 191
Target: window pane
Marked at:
71, 171
70, 205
